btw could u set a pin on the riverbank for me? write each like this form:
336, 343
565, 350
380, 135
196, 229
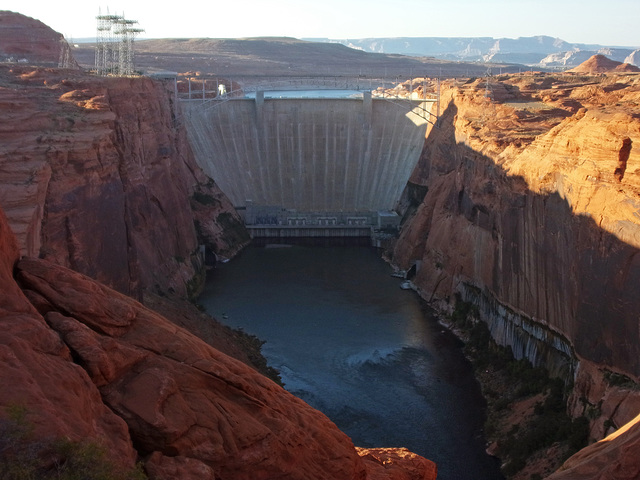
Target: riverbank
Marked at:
527, 426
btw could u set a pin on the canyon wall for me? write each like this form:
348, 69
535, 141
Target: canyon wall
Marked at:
525, 203
96, 175
88, 364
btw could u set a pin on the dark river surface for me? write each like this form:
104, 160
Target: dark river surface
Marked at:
351, 343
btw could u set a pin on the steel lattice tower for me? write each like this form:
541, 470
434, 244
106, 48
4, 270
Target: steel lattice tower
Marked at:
114, 44
126, 33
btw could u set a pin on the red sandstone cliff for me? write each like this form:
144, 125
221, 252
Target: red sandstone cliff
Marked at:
531, 212
90, 364
38, 374
97, 175
536, 203
614, 457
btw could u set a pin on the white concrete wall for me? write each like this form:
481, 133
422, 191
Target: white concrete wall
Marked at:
307, 154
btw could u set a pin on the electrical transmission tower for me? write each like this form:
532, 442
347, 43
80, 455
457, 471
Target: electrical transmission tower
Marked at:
105, 44
114, 49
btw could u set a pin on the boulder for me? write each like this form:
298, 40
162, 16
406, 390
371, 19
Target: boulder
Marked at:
40, 377
186, 401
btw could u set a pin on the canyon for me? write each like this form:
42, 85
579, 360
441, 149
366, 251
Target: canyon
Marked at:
524, 204
103, 205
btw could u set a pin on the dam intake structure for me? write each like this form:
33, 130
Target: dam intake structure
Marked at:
310, 164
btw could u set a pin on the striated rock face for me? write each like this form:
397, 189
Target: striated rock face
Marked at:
89, 363
531, 212
97, 175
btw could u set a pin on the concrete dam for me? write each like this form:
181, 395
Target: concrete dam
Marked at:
309, 162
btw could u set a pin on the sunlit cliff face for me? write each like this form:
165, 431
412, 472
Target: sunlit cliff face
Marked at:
531, 198
525, 205
579, 138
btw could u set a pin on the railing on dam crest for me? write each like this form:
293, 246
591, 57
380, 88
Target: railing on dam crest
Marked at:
211, 91
309, 166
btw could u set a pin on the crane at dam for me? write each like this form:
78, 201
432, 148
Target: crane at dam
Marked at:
309, 164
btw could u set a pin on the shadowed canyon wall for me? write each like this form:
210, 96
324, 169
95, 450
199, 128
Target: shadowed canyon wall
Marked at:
519, 205
96, 176
323, 154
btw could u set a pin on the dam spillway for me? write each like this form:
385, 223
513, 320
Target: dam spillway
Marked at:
308, 154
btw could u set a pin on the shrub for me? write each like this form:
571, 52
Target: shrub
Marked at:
550, 422
620, 380
25, 457
461, 313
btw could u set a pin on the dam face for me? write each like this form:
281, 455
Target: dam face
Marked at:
308, 154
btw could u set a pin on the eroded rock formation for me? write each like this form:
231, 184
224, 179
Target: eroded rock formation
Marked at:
38, 373
26, 40
96, 175
89, 363
526, 204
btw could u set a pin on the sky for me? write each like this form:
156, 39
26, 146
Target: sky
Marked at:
610, 22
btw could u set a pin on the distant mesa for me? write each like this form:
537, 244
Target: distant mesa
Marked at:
602, 64
633, 58
539, 51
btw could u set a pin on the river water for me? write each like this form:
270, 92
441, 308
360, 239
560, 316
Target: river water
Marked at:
351, 343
